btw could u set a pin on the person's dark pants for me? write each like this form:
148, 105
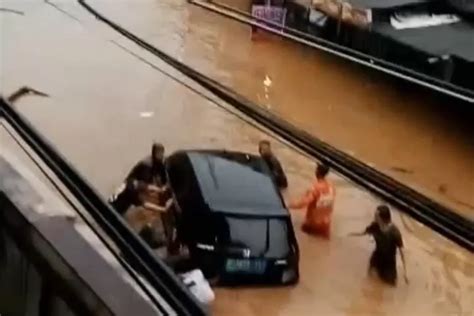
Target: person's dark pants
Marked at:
180, 264
169, 227
152, 237
386, 271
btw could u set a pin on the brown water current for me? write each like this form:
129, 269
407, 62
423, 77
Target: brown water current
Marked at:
107, 104
417, 137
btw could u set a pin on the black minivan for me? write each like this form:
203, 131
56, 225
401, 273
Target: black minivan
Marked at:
231, 216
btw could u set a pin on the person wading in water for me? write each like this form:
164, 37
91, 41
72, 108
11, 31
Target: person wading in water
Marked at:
387, 240
144, 188
319, 203
265, 150
148, 174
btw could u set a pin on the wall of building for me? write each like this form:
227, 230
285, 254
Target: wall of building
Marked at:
22, 289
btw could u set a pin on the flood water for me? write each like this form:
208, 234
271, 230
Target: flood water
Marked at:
404, 131
109, 100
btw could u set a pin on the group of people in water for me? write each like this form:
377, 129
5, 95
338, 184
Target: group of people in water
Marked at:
145, 199
319, 204
146, 187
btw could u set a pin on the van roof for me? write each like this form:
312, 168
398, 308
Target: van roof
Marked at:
236, 183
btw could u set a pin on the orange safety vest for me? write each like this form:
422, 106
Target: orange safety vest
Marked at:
319, 203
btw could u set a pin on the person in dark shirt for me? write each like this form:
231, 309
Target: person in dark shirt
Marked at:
387, 240
148, 174
266, 153
151, 170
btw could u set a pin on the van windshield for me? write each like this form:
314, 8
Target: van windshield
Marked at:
268, 237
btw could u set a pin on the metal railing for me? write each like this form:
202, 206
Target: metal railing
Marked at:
138, 254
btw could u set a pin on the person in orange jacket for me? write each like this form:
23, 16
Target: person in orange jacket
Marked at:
319, 203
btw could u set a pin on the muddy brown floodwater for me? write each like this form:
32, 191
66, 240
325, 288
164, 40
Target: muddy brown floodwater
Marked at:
110, 99
402, 130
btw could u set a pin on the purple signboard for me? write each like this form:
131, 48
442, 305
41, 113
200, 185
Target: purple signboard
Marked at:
273, 14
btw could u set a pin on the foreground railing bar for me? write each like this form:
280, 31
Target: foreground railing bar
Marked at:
136, 251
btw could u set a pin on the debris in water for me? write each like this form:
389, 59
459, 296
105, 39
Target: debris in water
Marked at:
146, 114
25, 90
70, 218
443, 188
401, 170
267, 82
11, 11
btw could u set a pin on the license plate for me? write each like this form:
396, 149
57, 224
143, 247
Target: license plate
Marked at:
245, 266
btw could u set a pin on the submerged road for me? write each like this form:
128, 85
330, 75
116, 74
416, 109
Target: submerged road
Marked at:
400, 129
109, 100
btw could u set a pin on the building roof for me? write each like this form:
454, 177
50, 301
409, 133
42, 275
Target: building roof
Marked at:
456, 39
384, 4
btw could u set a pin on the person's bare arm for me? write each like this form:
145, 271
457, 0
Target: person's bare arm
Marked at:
154, 188
303, 201
400, 246
169, 204
368, 230
154, 207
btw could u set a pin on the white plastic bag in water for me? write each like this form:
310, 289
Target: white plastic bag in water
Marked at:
199, 286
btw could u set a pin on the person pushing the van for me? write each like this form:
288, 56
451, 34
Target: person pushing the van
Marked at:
148, 175
279, 176
319, 204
